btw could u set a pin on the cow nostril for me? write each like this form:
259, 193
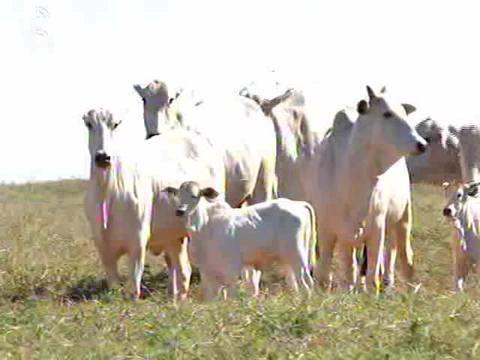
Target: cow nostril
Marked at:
447, 212
421, 147
180, 212
102, 159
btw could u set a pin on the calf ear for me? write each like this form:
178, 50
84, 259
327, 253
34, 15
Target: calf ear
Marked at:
362, 107
209, 193
171, 191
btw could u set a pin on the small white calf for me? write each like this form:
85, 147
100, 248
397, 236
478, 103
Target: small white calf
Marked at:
225, 239
463, 208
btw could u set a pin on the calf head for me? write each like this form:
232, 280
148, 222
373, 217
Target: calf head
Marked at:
456, 194
188, 197
386, 130
101, 125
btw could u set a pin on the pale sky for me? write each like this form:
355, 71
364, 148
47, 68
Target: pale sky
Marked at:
61, 58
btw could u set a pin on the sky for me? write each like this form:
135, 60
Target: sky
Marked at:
62, 58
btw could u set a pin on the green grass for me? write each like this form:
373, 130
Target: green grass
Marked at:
53, 303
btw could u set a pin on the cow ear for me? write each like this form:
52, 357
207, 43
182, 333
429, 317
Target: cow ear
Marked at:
139, 90
409, 108
171, 191
383, 90
371, 94
472, 190
362, 107
209, 193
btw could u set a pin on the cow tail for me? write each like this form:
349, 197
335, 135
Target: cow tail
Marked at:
312, 242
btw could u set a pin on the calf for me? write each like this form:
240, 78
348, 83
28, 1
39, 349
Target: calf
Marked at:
225, 239
463, 209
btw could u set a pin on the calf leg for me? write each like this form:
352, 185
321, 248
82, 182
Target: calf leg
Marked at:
460, 270
179, 270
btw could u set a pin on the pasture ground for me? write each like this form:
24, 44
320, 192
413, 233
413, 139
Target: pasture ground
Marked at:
53, 303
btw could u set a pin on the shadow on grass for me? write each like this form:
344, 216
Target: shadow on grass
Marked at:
91, 288
88, 288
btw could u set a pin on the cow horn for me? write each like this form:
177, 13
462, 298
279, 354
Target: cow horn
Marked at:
371, 94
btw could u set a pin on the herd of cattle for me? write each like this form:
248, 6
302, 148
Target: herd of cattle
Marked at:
236, 185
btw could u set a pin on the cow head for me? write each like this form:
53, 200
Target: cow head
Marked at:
188, 197
155, 105
101, 125
387, 130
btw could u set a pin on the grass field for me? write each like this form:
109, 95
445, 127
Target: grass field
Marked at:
53, 304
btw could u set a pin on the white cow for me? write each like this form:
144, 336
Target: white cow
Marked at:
467, 139
321, 159
463, 209
364, 186
125, 206
235, 124
225, 239
441, 161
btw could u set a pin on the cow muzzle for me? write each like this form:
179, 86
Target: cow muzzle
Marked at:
421, 147
181, 211
102, 160
447, 212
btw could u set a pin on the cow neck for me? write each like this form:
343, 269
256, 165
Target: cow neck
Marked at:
360, 177
161, 118
104, 181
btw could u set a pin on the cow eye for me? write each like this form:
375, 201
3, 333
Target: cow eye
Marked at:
89, 126
428, 139
459, 195
387, 114
115, 126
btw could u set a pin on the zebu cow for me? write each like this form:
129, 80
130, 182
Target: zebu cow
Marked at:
225, 239
467, 139
364, 188
441, 161
319, 160
235, 124
463, 209
125, 206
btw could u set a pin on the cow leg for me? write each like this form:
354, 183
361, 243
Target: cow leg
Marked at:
137, 262
255, 282
375, 248
322, 270
180, 270
404, 245
109, 261
267, 183
210, 286
251, 278
390, 260
347, 279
